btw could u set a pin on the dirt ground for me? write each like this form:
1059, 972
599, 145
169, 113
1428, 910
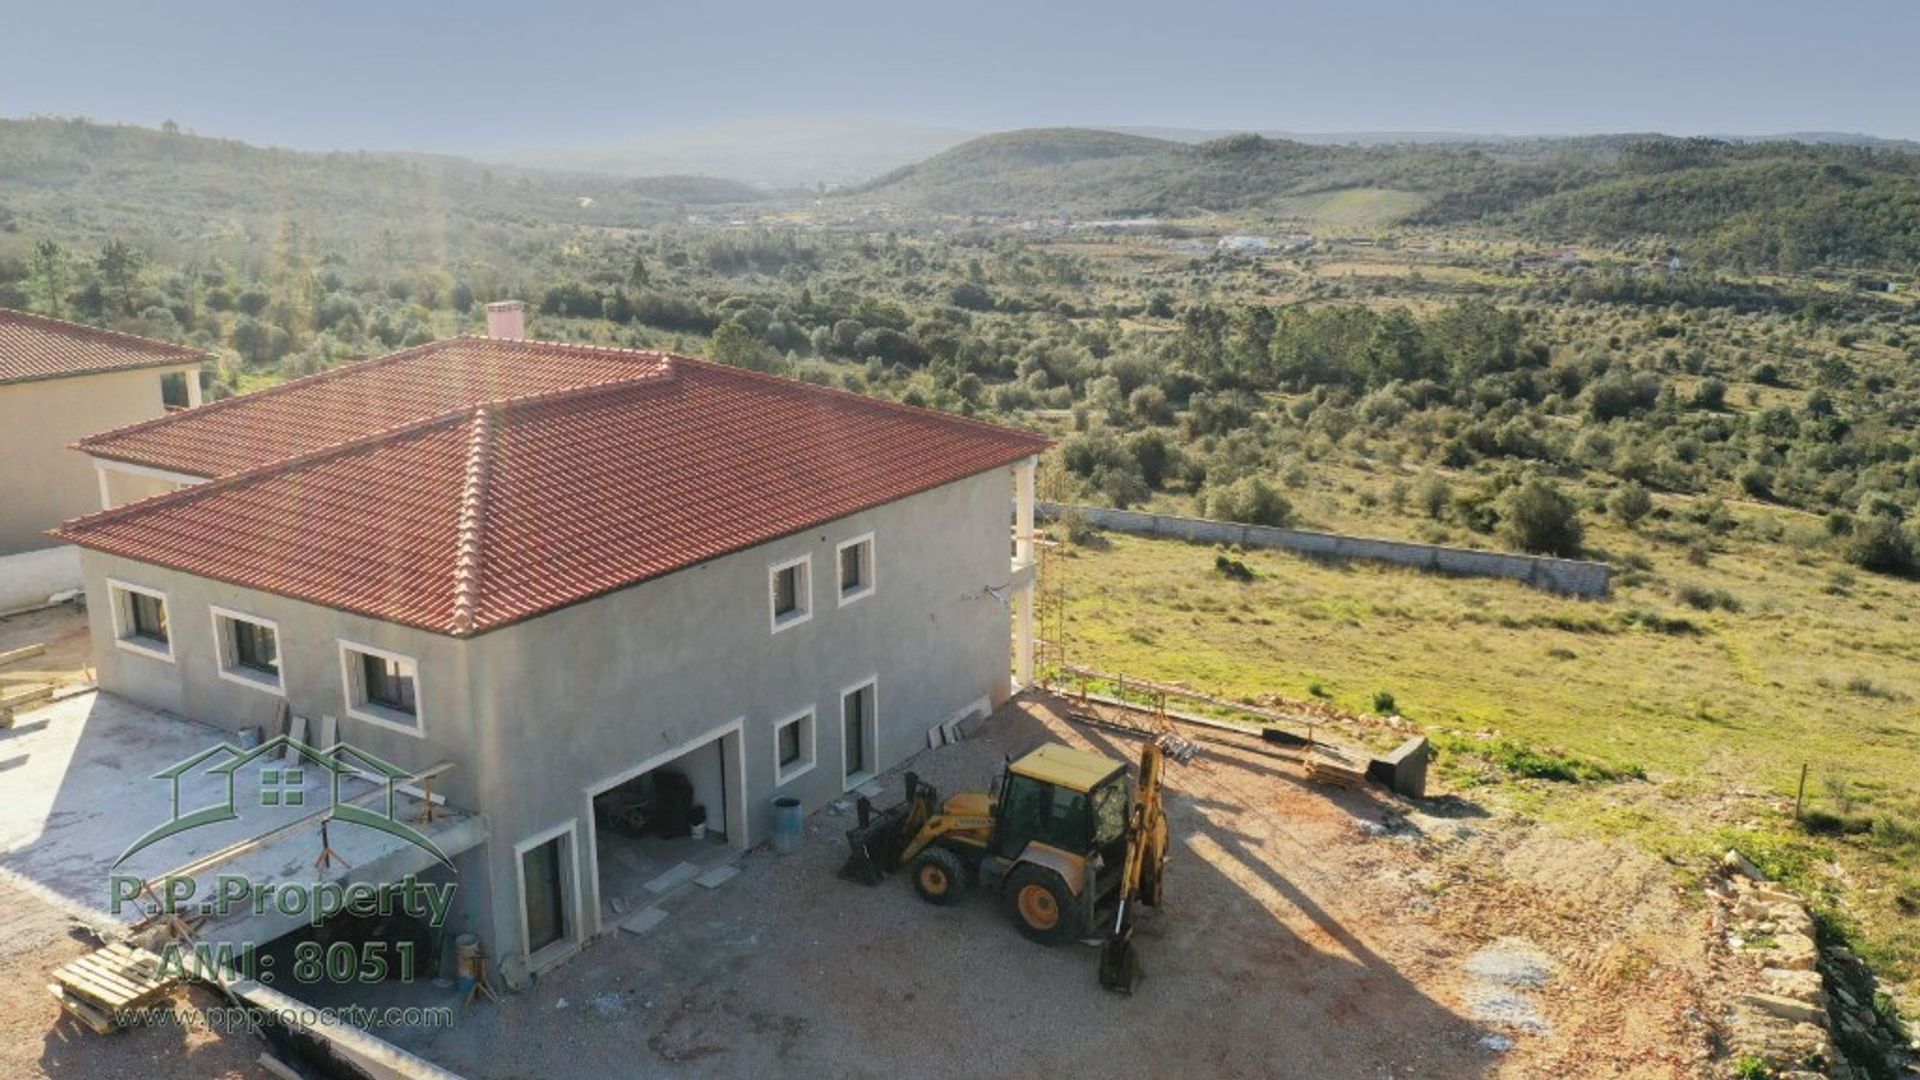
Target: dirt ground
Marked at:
68, 660
38, 1040
1307, 932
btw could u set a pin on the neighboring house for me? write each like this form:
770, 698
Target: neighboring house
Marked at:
567, 570
58, 382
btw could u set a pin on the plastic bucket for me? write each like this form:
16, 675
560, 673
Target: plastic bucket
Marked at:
789, 825
466, 954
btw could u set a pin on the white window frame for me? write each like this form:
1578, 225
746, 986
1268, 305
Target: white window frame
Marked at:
809, 746
803, 593
569, 943
353, 687
849, 781
867, 564
123, 634
227, 661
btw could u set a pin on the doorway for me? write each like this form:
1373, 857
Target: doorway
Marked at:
548, 873
658, 822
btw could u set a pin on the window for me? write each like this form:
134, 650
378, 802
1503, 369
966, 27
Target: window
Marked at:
547, 878
249, 649
389, 683
149, 617
173, 390
789, 582
140, 620
793, 747
382, 687
856, 569
858, 734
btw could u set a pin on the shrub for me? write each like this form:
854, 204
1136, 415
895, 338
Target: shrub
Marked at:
1383, 703
1537, 517
1433, 496
1880, 544
1232, 568
1630, 504
1249, 501
1710, 394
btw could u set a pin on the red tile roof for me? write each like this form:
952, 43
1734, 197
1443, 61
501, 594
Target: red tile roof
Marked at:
357, 400
35, 347
492, 513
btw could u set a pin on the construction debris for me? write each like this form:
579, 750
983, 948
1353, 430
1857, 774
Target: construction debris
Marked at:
97, 987
25, 652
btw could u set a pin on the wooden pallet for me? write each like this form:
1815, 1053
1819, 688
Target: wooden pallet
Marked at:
96, 986
1334, 773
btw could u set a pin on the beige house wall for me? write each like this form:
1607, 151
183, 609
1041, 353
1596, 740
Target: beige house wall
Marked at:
42, 481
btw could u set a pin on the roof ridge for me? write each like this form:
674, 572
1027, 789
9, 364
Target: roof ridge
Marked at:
101, 331
852, 397
467, 566
335, 449
570, 346
101, 437
225, 404
267, 468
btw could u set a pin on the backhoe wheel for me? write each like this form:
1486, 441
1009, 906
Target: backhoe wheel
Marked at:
939, 876
1042, 906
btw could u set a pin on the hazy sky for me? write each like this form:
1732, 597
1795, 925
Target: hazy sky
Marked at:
486, 75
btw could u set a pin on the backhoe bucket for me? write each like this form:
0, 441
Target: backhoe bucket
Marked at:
1119, 964
876, 842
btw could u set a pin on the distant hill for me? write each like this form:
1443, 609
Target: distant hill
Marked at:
82, 183
1092, 173
768, 154
1786, 204
1460, 138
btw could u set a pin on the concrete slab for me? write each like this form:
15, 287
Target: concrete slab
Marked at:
85, 792
673, 879
717, 877
643, 920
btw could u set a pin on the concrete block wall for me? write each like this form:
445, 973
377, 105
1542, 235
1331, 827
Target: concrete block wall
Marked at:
1577, 577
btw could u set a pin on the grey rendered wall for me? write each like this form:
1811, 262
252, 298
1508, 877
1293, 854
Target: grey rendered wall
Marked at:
534, 714
1578, 577
581, 694
309, 638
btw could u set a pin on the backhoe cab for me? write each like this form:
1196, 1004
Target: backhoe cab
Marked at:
1060, 837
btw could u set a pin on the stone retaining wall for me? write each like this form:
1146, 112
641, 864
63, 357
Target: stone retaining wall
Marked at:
1575, 576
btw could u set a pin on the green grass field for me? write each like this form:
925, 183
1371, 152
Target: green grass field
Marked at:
1798, 663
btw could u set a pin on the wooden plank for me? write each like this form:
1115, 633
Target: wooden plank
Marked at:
138, 962
87, 986
126, 987
94, 1018
23, 697
127, 971
103, 969
21, 653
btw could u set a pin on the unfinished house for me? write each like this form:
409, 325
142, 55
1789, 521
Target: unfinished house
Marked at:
58, 382
631, 597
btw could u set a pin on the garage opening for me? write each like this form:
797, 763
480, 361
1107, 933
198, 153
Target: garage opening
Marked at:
652, 827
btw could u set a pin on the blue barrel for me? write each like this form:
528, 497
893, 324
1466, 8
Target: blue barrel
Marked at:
789, 825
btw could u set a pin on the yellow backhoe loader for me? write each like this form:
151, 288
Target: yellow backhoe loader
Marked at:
1060, 839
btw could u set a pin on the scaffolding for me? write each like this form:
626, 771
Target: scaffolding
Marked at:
1049, 609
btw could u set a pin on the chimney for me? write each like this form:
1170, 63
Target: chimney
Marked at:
507, 320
